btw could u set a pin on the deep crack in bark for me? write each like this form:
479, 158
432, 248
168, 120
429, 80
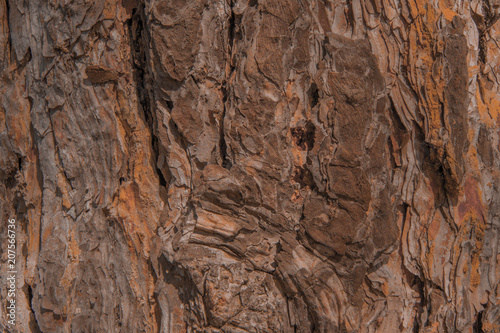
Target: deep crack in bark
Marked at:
139, 40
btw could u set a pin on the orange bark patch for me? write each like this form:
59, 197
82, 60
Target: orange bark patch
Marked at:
472, 201
129, 211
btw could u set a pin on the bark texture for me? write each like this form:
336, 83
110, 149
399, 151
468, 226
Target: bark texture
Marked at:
252, 165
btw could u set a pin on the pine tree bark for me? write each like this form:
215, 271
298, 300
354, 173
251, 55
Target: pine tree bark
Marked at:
251, 165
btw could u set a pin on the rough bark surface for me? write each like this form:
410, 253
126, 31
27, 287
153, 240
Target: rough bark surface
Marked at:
252, 165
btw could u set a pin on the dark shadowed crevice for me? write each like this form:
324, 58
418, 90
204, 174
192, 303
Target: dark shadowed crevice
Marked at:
231, 29
36, 138
170, 105
419, 286
481, 45
232, 34
139, 44
9, 38
313, 94
478, 324
304, 177
304, 137
35, 328
224, 159
416, 326
351, 21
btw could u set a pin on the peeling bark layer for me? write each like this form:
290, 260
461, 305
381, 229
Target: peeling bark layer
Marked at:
252, 165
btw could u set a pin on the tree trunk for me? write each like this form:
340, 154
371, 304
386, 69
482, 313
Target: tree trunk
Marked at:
251, 165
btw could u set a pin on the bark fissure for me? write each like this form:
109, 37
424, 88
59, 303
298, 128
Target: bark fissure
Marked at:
139, 40
478, 324
35, 328
225, 159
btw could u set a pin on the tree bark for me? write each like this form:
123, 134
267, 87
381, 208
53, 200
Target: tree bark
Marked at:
251, 165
